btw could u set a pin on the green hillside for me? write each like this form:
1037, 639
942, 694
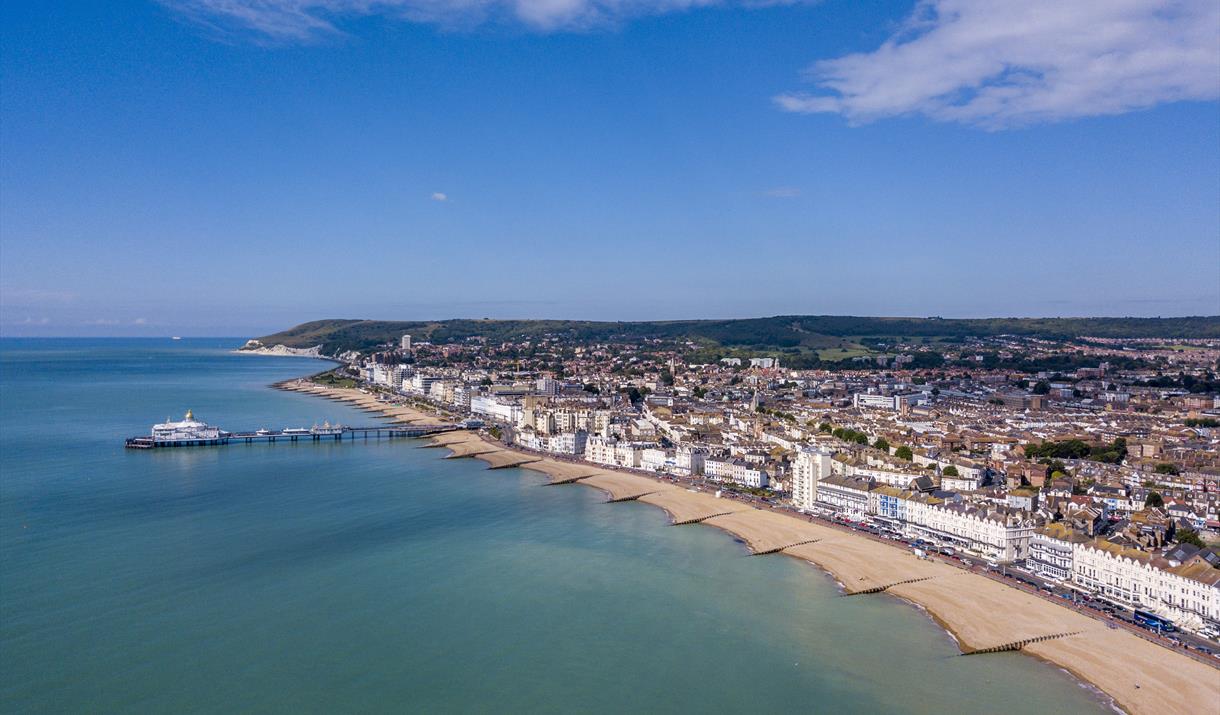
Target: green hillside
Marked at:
811, 332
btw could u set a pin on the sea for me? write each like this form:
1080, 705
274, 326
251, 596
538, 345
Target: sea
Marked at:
377, 577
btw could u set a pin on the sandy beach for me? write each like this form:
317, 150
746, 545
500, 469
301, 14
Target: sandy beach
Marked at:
1141, 676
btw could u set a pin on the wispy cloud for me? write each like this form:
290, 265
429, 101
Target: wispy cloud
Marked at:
308, 20
35, 296
999, 63
438, 196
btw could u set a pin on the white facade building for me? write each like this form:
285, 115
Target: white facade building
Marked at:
493, 408
610, 451
187, 429
808, 468
1187, 591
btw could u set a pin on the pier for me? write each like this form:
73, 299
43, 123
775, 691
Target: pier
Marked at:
337, 434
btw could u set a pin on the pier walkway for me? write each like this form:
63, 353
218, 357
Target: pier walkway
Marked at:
337, 434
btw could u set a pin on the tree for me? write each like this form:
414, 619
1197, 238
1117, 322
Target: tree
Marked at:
634, 395
1190, 536
950, 471
1154, 499
1167, 468
667, 377
881, 444
1041, 387
904, 452
591, 388
824, 427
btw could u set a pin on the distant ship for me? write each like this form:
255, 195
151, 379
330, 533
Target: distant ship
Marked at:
176, 338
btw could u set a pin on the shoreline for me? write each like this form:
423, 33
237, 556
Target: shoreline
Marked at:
1135, 675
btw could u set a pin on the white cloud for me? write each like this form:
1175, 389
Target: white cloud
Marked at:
438, 196
999, 63
304, 20
140, 321
34, 296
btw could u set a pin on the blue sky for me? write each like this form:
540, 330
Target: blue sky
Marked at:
204, 167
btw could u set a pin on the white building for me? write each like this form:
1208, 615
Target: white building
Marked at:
1051, 551
689, 461
883, 473
863, 400
808, 468
846, 495
610, 451
406, 343
998, 533
572, 443
1187, 590
388, 375
898, 403
959, 483
188, 429
495, 409
737, 471
418, 384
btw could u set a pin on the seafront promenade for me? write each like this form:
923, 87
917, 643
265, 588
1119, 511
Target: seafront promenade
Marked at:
982, 613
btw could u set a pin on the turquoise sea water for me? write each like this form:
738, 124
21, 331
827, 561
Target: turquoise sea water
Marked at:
379, 578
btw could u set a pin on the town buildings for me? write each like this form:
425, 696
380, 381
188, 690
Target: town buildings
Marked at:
1089, 477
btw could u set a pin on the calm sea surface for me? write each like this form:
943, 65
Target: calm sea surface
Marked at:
378, 578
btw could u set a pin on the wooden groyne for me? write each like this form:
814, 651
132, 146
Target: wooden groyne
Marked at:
1018, 645
633, 497
778, 549
888, 586
435, 445
516, 464
700, 519
472, 454
568, 480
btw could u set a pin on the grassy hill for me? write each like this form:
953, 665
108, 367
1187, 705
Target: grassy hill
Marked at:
809, 332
